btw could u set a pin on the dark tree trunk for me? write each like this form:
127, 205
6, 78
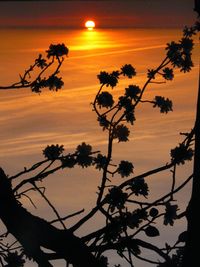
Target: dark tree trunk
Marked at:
33, 232
191, 253
197, 6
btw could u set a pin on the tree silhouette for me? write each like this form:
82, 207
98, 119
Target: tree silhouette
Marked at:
191, 256
125, 216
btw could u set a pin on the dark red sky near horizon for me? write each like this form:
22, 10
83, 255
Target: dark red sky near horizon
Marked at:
118, 13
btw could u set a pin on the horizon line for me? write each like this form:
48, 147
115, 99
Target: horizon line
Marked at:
84, 28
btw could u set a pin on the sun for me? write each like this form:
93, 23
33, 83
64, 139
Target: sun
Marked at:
90, 24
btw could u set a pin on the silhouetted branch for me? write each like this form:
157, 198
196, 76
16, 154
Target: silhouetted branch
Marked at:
145, 259
146, 174
84, 219
35, 166
68, 216
50, 204
125, 217
173, 180
55, 56
36, 178
130, 243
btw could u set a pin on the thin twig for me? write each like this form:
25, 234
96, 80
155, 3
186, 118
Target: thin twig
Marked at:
50, 204
67, 217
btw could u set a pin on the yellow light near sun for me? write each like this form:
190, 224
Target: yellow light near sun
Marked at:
90, 24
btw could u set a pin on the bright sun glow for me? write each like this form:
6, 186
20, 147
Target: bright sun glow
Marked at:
90, 24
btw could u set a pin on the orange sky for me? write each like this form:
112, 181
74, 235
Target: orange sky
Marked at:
29, 122
118, 13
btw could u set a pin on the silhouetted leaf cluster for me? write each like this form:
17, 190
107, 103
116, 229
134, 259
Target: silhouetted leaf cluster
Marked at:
108, 79
35, 76
126, 216
13, 259
170, 213
83, 156
181, 153
168, 74
41, 62
116, 198
180, 54
125, 168
100, 161
133, 92
121, 132
164, 104
57, 51
103, 122
128, 70
53, 152
139, 187
105, 99
175, 261
54, 83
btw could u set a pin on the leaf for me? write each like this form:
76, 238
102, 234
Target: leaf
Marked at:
151, 231
153, 212
182, 237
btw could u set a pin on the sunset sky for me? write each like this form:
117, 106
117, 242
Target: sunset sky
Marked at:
127, 32
118, 13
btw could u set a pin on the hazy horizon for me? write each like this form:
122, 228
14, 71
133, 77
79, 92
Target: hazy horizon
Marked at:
135, 13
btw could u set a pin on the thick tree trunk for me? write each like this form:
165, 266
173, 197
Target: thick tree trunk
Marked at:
191, 254
33, 233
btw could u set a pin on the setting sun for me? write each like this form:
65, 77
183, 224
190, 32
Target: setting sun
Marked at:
90, 24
